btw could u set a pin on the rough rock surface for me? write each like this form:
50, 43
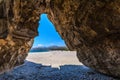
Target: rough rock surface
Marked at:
92, 27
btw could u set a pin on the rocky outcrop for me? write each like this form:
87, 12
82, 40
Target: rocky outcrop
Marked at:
93, 29
90, 27
16, 35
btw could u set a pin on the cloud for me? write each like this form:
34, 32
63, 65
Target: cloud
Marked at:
40, 45
57, 44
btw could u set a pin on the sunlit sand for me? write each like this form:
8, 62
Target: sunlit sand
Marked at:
54, 58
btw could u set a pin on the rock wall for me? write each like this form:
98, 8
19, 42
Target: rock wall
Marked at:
16, 32
92, 27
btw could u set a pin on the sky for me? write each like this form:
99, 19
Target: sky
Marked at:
48, 36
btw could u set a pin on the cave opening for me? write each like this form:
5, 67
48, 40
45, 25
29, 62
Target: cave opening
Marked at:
49, 48
48, 38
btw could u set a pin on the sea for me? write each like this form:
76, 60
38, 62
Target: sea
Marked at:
32, 51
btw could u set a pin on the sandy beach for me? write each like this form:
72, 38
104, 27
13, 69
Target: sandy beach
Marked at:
54, 58
53, 65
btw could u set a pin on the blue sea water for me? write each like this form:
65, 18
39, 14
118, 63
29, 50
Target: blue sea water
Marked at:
39, 51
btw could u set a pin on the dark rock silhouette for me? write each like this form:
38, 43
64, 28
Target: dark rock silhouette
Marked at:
92, 27
33, 71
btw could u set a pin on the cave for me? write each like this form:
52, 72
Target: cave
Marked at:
92, 28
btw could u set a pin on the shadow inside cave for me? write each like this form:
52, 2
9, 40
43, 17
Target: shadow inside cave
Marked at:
33, 71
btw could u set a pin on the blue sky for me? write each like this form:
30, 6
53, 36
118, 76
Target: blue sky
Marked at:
48, 36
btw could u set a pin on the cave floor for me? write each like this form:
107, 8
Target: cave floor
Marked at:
33, 70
